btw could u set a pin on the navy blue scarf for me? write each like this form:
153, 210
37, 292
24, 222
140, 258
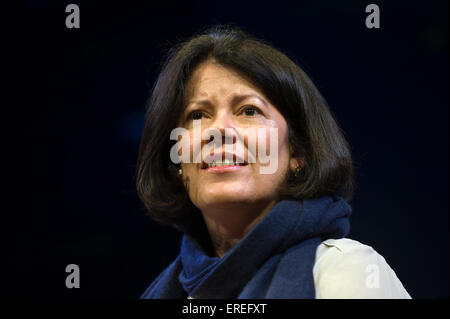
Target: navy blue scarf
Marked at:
274, 260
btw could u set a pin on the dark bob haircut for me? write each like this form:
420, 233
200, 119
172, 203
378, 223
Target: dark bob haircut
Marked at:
312, 130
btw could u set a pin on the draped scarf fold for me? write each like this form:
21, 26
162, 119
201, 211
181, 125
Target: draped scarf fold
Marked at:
275, 259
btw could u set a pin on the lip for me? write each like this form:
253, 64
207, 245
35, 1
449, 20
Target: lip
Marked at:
224, 169
204, 165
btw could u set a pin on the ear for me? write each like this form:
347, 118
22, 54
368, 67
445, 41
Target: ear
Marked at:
295, 162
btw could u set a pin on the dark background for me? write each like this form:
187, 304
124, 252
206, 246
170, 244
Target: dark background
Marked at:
74, 115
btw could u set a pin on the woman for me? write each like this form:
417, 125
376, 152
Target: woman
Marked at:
249, 234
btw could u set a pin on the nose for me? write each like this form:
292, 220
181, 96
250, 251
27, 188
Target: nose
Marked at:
222, 123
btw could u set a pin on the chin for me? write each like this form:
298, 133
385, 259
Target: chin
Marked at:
226, 196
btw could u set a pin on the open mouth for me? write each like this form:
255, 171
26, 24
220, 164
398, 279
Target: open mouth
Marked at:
224, 162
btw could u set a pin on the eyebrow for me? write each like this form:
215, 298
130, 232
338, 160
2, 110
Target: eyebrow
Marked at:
237, 98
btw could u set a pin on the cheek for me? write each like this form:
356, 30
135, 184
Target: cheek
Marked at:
283, 144
266, 177
193, 144
276, 145
284, 149
276, 137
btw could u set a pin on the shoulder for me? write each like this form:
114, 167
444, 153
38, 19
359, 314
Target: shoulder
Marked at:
163, 284
346, 268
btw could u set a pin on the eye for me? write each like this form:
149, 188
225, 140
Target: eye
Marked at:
251, 111
195, 115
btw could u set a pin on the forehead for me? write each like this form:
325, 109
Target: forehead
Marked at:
212, 78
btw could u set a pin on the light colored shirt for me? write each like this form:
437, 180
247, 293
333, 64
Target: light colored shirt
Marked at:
348, 269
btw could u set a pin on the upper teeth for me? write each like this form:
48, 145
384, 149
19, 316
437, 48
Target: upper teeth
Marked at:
225, 162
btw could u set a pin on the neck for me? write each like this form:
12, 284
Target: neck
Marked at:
228, 223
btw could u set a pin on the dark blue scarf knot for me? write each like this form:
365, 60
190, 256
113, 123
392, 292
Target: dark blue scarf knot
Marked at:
274, 260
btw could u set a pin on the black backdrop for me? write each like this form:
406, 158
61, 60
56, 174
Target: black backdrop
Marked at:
75, 113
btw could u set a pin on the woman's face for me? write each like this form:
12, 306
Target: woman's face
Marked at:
219, 98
